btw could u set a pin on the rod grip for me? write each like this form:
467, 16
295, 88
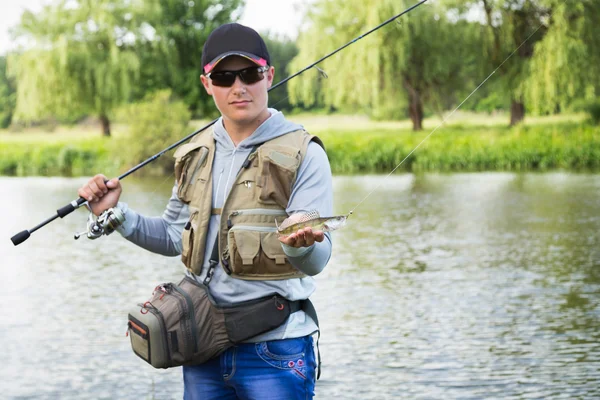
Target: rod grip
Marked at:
69, 208
20, 237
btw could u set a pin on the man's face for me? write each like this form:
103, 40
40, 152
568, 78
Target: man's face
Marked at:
240, 103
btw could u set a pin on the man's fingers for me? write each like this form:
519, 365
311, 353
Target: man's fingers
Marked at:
113, 183
100, 180
94, 189
319, 236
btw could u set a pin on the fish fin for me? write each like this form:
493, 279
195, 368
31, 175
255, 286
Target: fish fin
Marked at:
298, 218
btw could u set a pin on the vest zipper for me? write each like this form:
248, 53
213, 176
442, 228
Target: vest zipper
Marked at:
229, 175
253, 228
258, 211
225, 255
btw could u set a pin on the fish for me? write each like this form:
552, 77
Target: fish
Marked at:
313, 220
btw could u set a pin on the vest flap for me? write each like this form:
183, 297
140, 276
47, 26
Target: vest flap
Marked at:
284, 156
186, 148
248, 244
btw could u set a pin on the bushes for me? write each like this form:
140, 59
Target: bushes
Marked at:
84, 157
568, 146
456, 148
154, 124
593, 109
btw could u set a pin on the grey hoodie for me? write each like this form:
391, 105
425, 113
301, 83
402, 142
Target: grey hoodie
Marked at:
312, 190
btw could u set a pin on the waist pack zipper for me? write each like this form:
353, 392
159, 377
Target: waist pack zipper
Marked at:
186, 351
193, 330
161, 322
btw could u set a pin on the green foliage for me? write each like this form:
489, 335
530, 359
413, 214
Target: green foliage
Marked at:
282, 51
593, 109
423, 53
566, 65
171, 57
568, 146
509, 28
85, 157
82, 61
545, 146
154, 124
7, 96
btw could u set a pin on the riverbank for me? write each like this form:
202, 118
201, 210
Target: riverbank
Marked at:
354, 145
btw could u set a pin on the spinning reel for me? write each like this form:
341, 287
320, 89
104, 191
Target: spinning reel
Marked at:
105, 224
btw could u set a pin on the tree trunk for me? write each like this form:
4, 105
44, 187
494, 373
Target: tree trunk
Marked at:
415, 106
415, 110
517, 112
105, 125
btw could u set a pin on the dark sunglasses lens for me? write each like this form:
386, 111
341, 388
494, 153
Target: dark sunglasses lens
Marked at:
224, 78
251, 75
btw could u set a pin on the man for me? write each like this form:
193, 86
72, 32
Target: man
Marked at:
232, 183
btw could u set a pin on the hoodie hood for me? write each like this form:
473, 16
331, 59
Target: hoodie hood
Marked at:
276, 125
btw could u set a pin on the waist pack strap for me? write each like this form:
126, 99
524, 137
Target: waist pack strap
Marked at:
309, 309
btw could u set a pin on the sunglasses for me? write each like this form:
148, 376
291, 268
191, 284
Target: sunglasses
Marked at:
247, 75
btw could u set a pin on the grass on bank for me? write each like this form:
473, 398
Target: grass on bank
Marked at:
468, 142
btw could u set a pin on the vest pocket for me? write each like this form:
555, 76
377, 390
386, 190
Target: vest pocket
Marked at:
256, 253
271, 247
276, 175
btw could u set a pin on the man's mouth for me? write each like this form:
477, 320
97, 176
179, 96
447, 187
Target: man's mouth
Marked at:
240, 102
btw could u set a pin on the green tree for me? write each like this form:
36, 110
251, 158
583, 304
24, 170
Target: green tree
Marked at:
172, 55
89, 57
565, 68
81, 59
282, 50
422, 60
7, 96
150, 131
511, 26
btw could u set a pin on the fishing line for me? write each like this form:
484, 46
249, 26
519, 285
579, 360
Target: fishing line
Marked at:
445, 119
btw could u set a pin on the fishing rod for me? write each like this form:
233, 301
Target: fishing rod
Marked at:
108, 224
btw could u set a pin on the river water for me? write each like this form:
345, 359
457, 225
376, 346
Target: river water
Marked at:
460, 286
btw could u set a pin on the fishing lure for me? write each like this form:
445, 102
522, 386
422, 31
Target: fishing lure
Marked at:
313, 220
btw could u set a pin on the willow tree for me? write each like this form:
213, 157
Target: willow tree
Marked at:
510, 26
172, 56
78, 60
423, 60
566, 65
7, 95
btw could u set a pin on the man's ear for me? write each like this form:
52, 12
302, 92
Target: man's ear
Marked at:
206, 84
270, 76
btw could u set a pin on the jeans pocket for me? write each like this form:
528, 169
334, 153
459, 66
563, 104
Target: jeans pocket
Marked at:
287, 354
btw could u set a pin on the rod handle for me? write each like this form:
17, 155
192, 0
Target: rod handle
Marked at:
69, 208
20, 237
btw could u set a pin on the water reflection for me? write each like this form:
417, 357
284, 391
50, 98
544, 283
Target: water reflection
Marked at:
441, 286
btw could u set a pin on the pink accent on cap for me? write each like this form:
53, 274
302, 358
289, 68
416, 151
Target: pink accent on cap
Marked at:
208, 67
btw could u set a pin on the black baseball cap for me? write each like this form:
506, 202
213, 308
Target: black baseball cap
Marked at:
234, 40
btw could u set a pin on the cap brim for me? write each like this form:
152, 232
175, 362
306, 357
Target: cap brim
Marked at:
255, 59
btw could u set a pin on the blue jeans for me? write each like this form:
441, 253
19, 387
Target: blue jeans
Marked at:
273, 370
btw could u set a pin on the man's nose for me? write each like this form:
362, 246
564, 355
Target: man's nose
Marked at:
239, 86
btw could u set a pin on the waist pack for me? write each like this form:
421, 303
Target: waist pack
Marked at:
182, 325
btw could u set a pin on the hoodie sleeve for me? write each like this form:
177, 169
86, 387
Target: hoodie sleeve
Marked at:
160, 235
313, 190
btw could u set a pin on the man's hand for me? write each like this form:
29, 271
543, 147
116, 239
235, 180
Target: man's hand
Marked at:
303, 238
101, 196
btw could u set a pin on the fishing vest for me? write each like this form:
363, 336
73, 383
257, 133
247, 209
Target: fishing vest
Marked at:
248, 243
